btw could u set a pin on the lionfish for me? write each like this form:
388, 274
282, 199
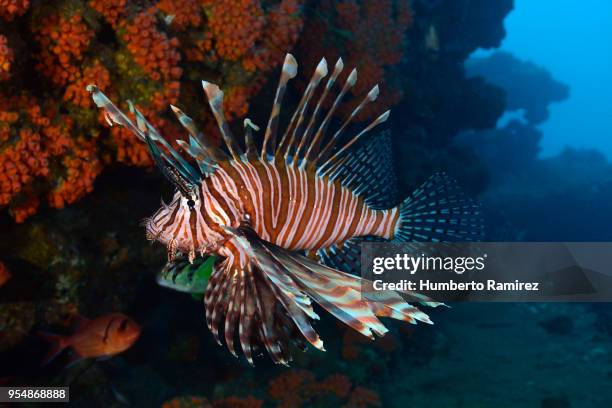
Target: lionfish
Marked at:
285, 220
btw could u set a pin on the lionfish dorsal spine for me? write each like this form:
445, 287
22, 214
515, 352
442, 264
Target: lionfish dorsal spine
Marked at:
215, 100
305, 141
313, 149
303, 144
370, 97
183, 167
197, 139
289, 138
381, 119
288, 72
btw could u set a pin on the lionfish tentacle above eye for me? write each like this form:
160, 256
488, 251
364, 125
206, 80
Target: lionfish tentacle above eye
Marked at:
306, 190
251, 148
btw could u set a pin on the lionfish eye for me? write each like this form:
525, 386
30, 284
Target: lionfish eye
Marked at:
191, 203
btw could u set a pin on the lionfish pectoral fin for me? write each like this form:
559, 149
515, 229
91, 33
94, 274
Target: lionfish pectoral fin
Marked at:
345, 256
251, 292
337, 292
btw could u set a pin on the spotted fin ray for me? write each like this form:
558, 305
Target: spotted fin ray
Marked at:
295, 281
303, 142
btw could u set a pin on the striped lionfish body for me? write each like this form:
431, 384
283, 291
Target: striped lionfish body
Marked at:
289, 207
286, 217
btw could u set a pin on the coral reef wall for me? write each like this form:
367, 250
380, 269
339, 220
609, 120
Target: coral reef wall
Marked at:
53, 145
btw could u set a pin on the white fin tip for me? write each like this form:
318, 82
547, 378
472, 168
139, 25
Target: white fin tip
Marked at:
339, 65
213, 92
373, 94
322, 67
383, 118
352, 78
290, 65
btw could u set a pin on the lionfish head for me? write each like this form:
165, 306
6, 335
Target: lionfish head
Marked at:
175, 224
178, 224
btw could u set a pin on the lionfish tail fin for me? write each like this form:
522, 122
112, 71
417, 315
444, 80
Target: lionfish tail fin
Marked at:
439, 211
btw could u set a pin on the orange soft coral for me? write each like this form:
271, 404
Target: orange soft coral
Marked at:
62, 41
9, 9
6, 58
282, 31
20, 163
24, 208
298, 388
77, 93
137, 55
287, 388
336, 384
112, 10
198, 402
128, 151
152, 50
182, 13
33, 144
187, 402
235, 103
236, 402
371, 39
257, 41
235, 26
7, 118
82, 168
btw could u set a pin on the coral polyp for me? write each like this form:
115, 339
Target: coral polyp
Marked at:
6, 58
10, 9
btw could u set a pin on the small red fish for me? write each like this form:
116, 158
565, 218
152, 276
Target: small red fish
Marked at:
105, 336
5, 275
